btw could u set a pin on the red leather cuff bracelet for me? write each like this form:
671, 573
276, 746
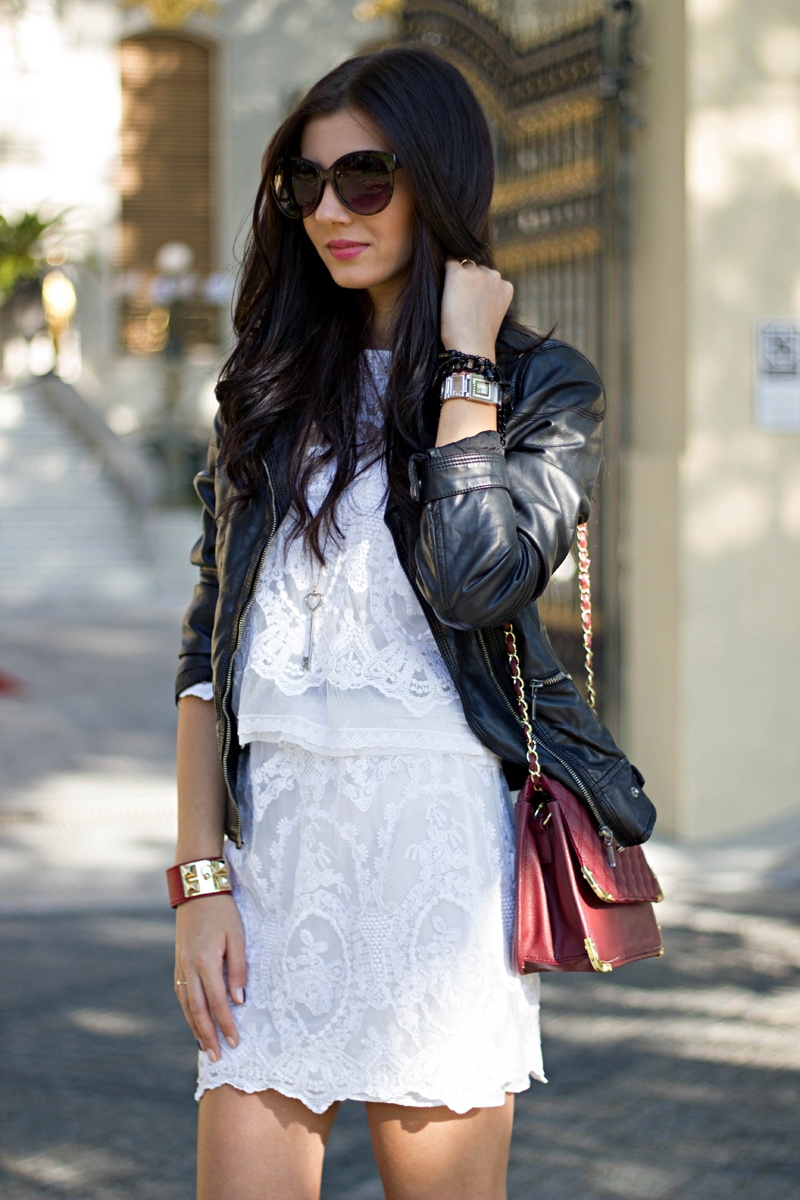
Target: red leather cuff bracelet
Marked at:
204, 877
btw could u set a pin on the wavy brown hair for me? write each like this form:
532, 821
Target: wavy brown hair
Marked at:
296, 372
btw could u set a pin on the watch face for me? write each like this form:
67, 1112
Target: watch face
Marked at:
471, 386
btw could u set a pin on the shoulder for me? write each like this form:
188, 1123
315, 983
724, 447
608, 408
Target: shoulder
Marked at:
555, 376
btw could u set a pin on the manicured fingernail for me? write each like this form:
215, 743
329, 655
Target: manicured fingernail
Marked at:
200, 1044
231, 1043
212, 1054
238, 995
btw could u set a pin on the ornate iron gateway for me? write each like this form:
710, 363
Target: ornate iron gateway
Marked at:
553, 77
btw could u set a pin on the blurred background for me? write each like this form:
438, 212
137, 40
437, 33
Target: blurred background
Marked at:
648, 204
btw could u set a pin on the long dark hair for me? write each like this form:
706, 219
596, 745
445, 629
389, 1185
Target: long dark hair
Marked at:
296, 369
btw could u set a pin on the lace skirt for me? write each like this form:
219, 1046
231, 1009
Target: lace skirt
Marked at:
377, 895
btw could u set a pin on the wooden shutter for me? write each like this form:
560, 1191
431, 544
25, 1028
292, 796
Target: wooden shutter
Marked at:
166, 173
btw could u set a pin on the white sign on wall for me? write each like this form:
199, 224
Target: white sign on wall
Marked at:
777, 376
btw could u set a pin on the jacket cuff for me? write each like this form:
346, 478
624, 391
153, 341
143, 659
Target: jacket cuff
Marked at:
471, 465
189, 677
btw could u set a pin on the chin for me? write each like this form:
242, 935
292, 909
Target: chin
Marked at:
355, 277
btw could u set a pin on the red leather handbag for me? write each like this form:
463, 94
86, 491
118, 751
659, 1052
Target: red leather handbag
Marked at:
581, 904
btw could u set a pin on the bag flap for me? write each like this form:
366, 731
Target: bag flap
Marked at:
630, 881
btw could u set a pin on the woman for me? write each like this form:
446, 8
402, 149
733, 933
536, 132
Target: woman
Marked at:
366, 531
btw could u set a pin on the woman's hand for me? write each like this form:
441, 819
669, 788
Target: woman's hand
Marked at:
474, 302
209, 934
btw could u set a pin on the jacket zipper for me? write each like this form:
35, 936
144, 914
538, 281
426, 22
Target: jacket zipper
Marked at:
548, 681
493, 677
240, 626
603, 830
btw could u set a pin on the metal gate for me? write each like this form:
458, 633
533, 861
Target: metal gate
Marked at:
552, 76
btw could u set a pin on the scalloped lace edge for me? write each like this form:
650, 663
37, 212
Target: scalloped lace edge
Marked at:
491, 1098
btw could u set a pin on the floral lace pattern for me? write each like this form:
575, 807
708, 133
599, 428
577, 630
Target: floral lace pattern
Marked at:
369, 630
377, 899
370, 634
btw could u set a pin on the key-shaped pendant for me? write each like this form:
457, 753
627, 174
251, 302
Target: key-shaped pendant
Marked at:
312, 601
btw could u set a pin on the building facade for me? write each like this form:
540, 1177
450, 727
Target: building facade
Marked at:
146, 123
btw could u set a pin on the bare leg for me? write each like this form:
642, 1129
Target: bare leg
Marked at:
436, 1154
263, 1146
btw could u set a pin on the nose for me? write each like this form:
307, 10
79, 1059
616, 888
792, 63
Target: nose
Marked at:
330, 209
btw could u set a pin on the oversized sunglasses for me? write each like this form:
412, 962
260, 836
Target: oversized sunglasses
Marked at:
363, 181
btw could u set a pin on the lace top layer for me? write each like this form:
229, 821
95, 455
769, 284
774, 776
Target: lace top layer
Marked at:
375, 669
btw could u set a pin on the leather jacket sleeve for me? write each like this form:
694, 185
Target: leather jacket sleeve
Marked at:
198, 622
496, 523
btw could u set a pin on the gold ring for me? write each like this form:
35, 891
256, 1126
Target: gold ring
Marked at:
181, 983
468, 262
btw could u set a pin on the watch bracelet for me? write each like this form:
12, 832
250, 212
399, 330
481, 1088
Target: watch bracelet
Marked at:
456, 363
488, 390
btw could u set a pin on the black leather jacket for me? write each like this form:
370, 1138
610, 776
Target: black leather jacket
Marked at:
495, 524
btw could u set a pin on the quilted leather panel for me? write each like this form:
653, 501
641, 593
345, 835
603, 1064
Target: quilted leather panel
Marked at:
630, 881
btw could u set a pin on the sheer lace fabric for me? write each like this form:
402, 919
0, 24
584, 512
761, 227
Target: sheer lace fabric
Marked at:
376, 876
376, 894
375, 669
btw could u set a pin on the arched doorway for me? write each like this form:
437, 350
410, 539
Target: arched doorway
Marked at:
166, 179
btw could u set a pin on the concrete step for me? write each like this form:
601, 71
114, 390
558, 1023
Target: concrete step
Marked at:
66, 530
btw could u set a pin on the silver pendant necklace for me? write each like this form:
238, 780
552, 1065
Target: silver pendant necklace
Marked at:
312, 600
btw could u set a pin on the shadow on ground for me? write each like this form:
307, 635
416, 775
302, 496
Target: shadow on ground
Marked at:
675, 1078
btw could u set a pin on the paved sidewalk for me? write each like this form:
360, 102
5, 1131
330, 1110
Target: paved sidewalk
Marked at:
677, 1079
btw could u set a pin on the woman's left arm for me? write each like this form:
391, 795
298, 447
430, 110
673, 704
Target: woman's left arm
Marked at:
474, 302
496, 522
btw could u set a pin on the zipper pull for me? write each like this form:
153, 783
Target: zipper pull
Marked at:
534, 690
608, 838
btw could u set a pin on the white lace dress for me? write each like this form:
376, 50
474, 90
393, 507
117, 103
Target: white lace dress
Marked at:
375, 880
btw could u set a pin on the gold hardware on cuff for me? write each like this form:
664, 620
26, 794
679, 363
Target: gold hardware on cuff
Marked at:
468, 385
594, 957
204, 877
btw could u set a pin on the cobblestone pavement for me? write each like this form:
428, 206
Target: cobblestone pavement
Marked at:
677, 1079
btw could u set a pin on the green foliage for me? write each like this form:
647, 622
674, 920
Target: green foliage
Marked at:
20, 250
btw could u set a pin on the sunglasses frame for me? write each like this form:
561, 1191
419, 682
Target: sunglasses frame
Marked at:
329, 176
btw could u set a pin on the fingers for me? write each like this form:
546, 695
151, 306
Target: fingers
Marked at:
456, 266
205, 1007
200, 1016
236, 963
474, 303
210, 939
182, 992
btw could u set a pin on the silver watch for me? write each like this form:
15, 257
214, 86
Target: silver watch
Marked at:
469, 385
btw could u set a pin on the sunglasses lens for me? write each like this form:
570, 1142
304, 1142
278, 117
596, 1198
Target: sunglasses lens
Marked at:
296, 187
305, 186
365, 183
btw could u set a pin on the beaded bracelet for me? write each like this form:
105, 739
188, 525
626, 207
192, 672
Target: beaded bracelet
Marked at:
454, 362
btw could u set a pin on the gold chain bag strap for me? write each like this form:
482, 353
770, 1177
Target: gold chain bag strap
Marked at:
579, 905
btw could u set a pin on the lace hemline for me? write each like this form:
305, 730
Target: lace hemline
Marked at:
492, 1097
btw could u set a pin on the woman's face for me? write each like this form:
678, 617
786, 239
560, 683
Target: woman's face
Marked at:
360, 252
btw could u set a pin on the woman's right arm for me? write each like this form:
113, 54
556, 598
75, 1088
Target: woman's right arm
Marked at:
209, 933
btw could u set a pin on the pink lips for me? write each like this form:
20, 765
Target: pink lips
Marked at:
342, 249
